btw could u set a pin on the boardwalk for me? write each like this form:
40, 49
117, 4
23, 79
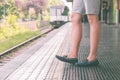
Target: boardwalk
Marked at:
42, 65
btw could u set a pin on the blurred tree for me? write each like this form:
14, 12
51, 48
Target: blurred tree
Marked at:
8, 7
26, 5
55, 3
23, 6
66, 11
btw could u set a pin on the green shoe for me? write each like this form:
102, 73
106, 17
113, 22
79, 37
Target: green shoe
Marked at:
66, 59
88, 63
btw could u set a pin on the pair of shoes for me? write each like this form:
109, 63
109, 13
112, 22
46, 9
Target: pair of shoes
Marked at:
66, 59
88, 63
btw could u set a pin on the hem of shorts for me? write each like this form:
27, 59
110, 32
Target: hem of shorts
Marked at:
85, 13
91, 13
77, 12
96, 13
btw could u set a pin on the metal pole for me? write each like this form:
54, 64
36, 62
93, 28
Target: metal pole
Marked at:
111, 11
118, 12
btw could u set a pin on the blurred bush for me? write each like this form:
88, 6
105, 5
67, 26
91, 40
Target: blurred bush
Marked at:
46, 15
9, 27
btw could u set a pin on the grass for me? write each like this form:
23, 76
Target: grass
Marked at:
14, 40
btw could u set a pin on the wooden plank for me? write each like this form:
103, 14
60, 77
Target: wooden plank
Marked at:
57, 69
42, 74
41, 59
36, 57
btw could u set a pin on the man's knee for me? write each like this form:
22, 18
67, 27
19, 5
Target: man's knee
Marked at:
76, 18
92, 18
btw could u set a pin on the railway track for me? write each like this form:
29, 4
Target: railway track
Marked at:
10, 53
25, 42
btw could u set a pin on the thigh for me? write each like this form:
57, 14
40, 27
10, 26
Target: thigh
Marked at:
92, 6
78, 6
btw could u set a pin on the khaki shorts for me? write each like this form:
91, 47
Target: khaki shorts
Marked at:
86, 6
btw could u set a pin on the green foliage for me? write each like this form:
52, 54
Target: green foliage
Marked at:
53, 2
33, 17
7, 8
12, 9
66, 11
114, 11
16, 39
10, 27
46, 15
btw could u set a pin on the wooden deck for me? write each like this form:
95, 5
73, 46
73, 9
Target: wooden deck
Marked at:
43, 65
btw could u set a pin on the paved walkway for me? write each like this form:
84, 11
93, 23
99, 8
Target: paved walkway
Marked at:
43, 65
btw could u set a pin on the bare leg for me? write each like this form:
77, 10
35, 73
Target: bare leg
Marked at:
94, 36
76, 35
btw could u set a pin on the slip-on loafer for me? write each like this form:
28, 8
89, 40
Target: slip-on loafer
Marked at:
88, 63
66, 59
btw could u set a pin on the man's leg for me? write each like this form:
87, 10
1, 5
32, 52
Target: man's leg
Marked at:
76, 35
94, 36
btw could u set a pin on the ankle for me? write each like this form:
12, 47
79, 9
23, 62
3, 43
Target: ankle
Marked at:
91, 58
71, 55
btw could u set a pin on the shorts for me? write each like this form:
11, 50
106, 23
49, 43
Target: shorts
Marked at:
86, 6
